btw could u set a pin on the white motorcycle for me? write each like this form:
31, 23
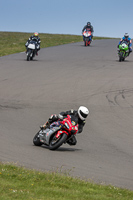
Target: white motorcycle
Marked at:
32, 50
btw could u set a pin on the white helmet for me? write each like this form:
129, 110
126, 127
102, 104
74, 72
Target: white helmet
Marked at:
83, 112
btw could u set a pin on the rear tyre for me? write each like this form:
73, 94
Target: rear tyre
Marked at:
36, 140
55, 143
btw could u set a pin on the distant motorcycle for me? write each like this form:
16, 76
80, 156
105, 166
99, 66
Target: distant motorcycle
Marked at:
87, 38
32, 49
123, 51
54, 136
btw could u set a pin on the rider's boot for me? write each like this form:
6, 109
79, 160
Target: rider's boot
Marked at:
72, 140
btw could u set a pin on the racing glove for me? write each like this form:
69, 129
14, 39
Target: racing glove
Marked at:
60, 116
52, 118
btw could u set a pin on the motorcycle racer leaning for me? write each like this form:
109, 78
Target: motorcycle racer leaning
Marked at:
128, 40
78, 116
88, 27
34, 37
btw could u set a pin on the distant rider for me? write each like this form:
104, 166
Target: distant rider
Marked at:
88, 27
78, 116
128, 40
34, 38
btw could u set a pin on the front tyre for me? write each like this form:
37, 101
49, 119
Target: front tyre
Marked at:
89, 43
120, 59
28, 55
86, 43
55, 142
120, 56
33, 54
36, 140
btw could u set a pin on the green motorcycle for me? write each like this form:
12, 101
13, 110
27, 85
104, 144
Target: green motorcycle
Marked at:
123, 51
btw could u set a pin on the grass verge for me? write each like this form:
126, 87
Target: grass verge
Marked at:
14, 42
20, 183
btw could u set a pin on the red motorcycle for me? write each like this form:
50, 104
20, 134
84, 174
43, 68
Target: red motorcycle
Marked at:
57, 133
87, 38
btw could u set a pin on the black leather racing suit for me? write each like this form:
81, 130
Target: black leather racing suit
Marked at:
34, 38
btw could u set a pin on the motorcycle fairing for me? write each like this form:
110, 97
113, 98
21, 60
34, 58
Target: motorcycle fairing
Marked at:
46, 134
31, 46
87, 35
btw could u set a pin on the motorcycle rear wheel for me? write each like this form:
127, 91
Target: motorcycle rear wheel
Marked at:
55, 143
36, 140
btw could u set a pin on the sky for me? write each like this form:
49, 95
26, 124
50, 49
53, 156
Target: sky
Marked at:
109, 18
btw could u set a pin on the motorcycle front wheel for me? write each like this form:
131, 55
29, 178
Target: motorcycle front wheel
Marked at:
86, 43
89, 43
36, 140
31, 57
120, 56
28, 55
55, 142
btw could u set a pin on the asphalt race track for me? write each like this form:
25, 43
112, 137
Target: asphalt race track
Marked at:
59, 79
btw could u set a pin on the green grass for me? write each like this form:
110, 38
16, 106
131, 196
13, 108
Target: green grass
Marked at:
11, 42
14, 42
20, 183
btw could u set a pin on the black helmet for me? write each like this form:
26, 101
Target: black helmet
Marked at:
88, 24
126, 35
